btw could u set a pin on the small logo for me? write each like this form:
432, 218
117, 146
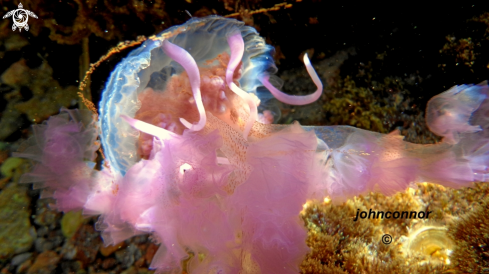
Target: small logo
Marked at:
386, 239
20, 17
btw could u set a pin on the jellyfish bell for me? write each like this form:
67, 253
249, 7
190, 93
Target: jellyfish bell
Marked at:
192, 159
148, 82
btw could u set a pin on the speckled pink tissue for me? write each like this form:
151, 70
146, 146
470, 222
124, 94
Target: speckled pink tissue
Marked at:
177, 194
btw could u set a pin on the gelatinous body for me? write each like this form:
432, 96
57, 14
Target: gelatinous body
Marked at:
190, 162
149, 68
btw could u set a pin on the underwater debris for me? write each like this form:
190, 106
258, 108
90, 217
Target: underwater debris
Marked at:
80, 19
467, 54
247, 13
69, 22
462, 49
35, 94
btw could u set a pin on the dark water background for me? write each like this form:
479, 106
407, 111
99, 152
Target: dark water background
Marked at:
401, 41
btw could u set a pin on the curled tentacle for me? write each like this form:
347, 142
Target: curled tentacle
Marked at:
236, 44
297, 100
184, 58
159, 132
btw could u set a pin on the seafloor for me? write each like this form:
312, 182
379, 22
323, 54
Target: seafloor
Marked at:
380, 66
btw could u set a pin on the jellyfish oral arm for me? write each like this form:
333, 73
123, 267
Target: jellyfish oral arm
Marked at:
297, 100
161, 133
253, 109
236, 44
184, 58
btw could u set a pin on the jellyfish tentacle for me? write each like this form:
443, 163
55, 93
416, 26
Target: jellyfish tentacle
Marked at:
296, 100
186, 60
236, 44
159, 132
251, 103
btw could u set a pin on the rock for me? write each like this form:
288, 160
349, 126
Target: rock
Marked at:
108, 250
56, 237
15, 226
47, 96
22, 268
69, 250
70, 222
42, 231
42, 245
140, 239
108, 263
150, 253
4, 182
18, 74
8, 166
45, 216
46, 262
86, 243
145, 271
128, 256
140, 262
15, 42
19, 259
131, 270
12, 167
11, 120
72, 267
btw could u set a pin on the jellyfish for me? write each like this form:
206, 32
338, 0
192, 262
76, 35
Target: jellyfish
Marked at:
193, 157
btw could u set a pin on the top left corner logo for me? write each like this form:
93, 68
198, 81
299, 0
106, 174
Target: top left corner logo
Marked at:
20, 17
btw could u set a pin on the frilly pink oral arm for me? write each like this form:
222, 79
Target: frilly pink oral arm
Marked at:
161, 133
297, 100
236, 44
184, 58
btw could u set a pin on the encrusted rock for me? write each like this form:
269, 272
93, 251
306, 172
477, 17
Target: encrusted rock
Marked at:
46, 262
70, 223
15, 236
